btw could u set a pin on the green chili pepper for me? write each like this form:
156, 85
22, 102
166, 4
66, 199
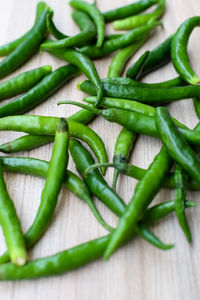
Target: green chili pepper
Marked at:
9, 47
176, 144
40, 92
96, 16
145, 191
40, 125
124, 40
119, 61
196, 103
11, 226
80, 255
95, 181
82, 62
128, 10
134, 70
27, 47
136, 122
88, 33
53, 29
181, 180
23, 82
179, 52
151, 96
139, 20
36, 167
157, 58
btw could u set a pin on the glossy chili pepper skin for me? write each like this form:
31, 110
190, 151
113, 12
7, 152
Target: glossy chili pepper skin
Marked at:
181, 180
158, 57
53, 29
88, 32
80, 255
40, 92
142, 19
144, 193
179, 52
128, 10
176, 144
125, 40
134, 70
23, 82
39, 125
82, 62
11, 226
9, 47
25, 49
151, 96
119, 61
53, 184
95, 181
96, 16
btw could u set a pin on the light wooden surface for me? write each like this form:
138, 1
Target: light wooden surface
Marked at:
138, 270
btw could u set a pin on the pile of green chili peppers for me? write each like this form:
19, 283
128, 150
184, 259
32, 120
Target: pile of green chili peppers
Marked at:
137, 106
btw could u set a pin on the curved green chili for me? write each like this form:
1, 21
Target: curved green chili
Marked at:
96, 16
134, 70
23, 82
40, 125
88, 32
151, 96
27, 47
176, 144
95, 181
181, 180
124, 40
80, 255
40, 92
144, 193
196, 103
128, 10
53, 29
9, 47
82, 62
179, 52
11, 226
139, 20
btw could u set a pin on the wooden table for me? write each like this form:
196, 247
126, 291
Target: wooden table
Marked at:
138, 270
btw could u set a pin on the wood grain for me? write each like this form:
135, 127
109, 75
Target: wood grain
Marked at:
138, 270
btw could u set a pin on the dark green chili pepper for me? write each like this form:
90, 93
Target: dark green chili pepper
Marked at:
40, 92
128, 10
36, 167
95, 181
196, 103
82, 62
125, 40
26, 48
9, 47
11, 226
179, 52
144, 193
151, 96
139, 20
53, 184
119, 61
53, 29
181, 180
23, 82
96, 16
40, 125
158, 57
123, 147
88, 32
176, 144
134, 70
136, 122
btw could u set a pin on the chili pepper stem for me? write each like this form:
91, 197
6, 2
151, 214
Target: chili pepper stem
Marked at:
95, 166
89, 108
